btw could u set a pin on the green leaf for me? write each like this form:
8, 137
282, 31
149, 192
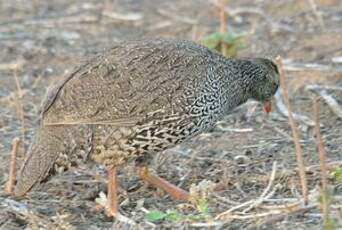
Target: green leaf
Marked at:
212, 41
231, 37
202, 206
155, 215
337, 174
174, 215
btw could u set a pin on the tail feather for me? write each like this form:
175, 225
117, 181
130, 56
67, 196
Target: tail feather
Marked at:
42, 155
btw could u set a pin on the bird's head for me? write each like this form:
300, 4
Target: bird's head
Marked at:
265, 81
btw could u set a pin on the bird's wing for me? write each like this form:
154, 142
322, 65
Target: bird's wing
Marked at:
126, 84
39, 161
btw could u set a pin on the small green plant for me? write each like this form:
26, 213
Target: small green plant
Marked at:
329, 222
233, 42
175, 216
337, 174
170, 214
203, 208
155, 215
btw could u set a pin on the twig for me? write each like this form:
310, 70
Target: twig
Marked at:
266, 192
251, 216
291, 204
330, 165
11, 65
228, 212
224, 199
207, 224
160, 25
323, 87
253, 203
127, 16
289, 66
283, 215
12, 96
331, 102
322, 163
299, 156
221, 127
309, 169
223, 25
283, 133
13, 164
19, 105
337, 59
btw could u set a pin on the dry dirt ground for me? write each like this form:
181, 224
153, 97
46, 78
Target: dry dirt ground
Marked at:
40, 41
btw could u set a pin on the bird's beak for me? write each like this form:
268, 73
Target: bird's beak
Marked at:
268, 106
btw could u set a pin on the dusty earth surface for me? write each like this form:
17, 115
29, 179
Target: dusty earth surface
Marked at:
41, 41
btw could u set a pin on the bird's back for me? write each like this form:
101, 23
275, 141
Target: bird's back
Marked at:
130, 81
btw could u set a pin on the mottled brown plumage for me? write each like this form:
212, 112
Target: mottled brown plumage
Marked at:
139, 98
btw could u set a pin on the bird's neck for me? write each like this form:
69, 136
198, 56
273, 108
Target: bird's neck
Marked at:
236, 88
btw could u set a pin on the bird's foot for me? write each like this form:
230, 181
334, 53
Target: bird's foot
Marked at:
174, 191
103, 202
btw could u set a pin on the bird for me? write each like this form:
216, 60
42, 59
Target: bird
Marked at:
134, 100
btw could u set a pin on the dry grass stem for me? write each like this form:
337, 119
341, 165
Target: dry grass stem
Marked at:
283, 215
309, 169
323, 87
279, 213
256, 202
225, 128
329, 166
12, 65
207, 224
322, 162
19, 105
266, 193
332, 103
312, 67
13, 164
295, 134
127, 16
223, 26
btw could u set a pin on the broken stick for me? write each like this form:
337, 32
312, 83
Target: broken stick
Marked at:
13, 164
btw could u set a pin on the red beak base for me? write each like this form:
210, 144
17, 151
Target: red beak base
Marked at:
268, 106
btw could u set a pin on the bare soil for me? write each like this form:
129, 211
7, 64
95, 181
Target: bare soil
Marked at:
41, 41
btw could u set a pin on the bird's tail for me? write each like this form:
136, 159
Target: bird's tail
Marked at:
48, 143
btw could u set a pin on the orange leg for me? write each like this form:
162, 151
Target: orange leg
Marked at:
112, 196
176, 192
12, 171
